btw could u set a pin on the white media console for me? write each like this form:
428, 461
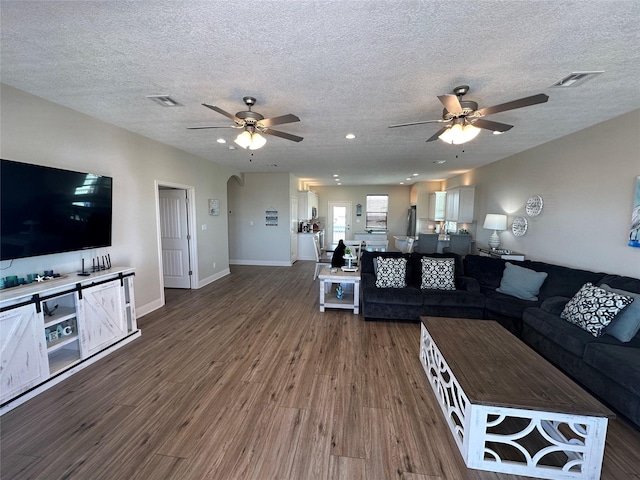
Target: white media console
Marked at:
52, 329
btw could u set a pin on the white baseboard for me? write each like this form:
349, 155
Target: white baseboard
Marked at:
149, 307
262, 263
206, 281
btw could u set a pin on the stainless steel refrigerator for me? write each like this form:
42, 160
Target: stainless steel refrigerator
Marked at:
411, 222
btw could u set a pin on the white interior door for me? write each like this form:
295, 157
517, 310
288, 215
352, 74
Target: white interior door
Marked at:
339, 222
174, 234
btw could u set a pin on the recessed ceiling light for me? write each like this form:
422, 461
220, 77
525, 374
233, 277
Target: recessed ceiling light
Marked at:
336, 176
408, 179
231, 147
350, 136
221, 140
164, 100
416, 174
339, 183
337, 179
439, 162
496, 132
401, 183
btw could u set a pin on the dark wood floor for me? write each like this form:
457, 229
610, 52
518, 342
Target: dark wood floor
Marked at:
246, 379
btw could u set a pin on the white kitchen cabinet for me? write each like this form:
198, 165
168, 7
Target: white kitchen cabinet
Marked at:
437, 204
23, 353
459, 204
307, 204
51, 330
306, 246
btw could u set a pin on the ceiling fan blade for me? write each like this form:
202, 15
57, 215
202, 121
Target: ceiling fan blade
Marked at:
288, 118
451, 103
417, 123
287, 136
207, 126
523, 102
222, 112
489, 125
437, 134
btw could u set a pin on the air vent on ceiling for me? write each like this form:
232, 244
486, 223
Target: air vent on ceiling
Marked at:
576, 78
164, 100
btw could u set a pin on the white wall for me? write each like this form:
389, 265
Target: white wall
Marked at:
251, 241
399, 202
587, 182
36, 131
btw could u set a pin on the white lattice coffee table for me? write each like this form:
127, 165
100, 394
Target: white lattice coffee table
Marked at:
510, 410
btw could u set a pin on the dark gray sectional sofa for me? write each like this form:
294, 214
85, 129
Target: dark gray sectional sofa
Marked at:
410, 303
606, 366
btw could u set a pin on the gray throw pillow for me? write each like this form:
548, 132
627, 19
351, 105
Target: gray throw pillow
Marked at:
627, 323
521, 282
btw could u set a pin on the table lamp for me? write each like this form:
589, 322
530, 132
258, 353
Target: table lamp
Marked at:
495, 222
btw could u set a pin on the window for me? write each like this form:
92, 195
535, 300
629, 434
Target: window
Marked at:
377, 208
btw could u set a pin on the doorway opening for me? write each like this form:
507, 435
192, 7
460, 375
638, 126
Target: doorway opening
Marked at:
176, 237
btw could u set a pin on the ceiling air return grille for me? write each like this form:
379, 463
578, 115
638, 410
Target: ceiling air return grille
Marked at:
576, 78
164, 100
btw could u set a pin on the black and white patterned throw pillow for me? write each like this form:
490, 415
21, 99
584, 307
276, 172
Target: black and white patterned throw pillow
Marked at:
593, 308
438, 273
392, 272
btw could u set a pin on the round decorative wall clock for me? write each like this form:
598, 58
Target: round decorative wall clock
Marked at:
519, 226
534, 205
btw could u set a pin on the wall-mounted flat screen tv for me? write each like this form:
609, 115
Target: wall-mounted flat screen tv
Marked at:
46, 210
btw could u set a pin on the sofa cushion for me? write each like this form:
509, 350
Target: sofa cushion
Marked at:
562, 281
620, 363
564, 334
593, 308
506, 305
437, 273
627, 323
391, 272
487, 270
554, 305
453, 298
392, 296
521, 282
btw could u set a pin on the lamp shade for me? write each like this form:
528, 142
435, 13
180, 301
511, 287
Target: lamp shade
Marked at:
495, 221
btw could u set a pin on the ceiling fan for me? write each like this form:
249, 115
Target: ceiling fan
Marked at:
253, 124
465, 120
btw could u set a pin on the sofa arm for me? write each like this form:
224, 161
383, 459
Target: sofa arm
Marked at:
468, 284
554, 305
367, 280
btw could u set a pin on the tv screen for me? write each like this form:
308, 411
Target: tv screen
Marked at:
46, 210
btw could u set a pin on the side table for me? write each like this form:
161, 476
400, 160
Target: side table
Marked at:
488, 252
349, 281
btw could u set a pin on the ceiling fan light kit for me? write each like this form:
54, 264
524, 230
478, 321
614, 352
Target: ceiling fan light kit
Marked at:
250, 140
459, 133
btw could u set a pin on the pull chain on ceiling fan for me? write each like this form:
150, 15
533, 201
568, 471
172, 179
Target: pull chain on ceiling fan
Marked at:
253, 124
466, 121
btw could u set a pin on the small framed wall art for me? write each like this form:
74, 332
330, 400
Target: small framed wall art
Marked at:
214, 207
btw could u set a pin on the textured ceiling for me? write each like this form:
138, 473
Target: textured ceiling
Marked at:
341, 66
